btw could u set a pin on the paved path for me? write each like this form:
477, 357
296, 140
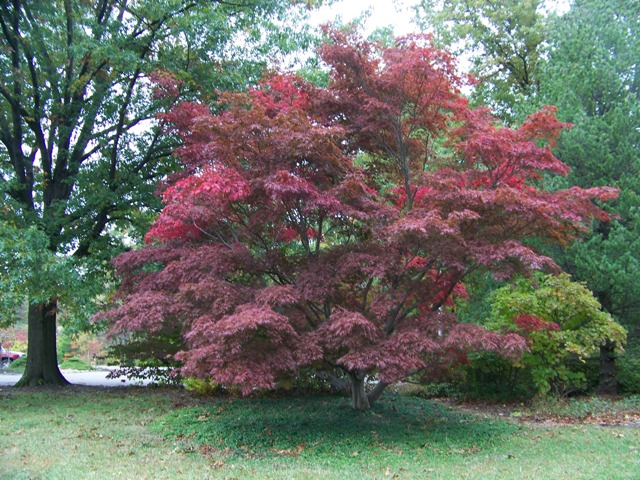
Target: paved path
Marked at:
95, 378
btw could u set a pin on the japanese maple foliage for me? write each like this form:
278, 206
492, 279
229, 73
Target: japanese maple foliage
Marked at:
274, 252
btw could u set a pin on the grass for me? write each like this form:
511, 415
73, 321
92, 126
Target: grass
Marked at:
165, 434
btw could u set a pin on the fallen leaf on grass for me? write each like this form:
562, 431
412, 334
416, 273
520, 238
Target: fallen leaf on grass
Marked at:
387, 473
293, 452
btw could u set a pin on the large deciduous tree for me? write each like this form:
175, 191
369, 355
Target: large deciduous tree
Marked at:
79, 157
330, 228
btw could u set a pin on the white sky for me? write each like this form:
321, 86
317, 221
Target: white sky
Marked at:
383, 13
397, 13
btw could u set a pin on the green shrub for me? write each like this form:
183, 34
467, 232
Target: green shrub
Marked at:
564, 326
306, 382
18, 364
75, 363
145, 351
201, 387
490, 376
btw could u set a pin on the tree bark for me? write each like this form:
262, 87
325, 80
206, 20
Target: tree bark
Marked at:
341, 385
359, 399
376, 393
42, 358
607, 385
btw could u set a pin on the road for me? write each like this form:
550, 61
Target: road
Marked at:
95, 378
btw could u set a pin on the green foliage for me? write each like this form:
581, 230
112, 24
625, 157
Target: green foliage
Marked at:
86, 346
503, 40
477, 307
63, 345
18, 364
201, 387
146, 357
324, 426
142, 350
628, 375
594, 49
585, 62
29, 269
493, 377
75, 363
564, 325
26, 267
569, 304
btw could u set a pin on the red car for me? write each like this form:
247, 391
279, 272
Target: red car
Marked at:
7, 356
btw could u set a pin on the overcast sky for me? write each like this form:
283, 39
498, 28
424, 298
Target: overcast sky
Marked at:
382, 14
397, 13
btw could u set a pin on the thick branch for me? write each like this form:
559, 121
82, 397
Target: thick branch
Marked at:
377, 391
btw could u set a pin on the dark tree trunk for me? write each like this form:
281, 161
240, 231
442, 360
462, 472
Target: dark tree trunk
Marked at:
338, 384
359, 399
42, 358
607, 385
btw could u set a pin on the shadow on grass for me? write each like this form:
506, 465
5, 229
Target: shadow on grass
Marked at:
326, 425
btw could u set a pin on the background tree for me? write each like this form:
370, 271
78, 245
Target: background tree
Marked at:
276, 253
504, 42
80, 154
595, 47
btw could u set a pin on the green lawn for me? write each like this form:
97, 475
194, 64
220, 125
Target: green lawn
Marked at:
142, 433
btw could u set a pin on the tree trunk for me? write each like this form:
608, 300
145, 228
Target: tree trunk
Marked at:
341, 385
42, 356
376, 393
607, 385
359, 398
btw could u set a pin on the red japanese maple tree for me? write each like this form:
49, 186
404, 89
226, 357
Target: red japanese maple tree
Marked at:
330, 228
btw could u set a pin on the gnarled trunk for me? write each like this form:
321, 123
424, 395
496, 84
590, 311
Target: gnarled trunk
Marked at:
338, 384
376, 393
42, 358
359, 399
